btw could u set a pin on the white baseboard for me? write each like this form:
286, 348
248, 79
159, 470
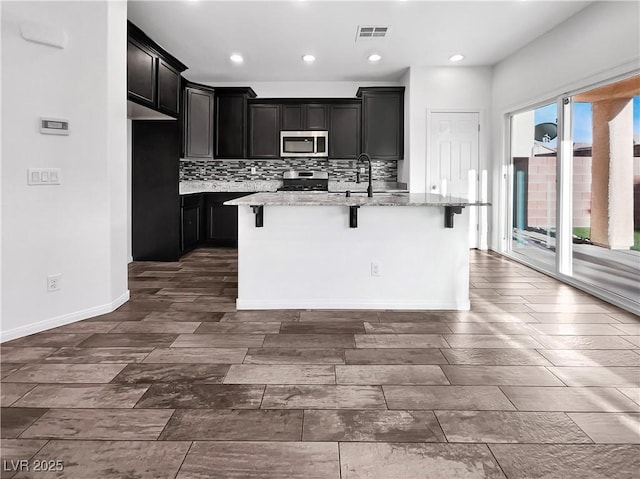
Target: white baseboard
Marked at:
242, 304
63, 319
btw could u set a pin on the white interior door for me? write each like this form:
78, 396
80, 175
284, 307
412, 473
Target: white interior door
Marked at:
454, 159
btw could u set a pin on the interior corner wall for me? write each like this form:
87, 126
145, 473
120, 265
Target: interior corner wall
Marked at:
597, 44
129, 190
75, 228
444, 89
117, 148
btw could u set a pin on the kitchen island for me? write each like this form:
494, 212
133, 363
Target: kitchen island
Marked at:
329, 251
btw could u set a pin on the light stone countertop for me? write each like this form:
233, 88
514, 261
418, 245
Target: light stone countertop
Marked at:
215, 186
340, 199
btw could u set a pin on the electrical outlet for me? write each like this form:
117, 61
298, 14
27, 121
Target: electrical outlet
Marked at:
375, 268
362, 170
54, 282
253, 170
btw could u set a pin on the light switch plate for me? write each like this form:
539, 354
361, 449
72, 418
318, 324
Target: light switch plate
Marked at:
43, 176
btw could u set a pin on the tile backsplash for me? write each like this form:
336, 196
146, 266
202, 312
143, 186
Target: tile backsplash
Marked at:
240, 170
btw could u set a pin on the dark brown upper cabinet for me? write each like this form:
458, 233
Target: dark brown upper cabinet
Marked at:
198, 121
168, 88
264, 130
305, 116
344, 130
153, 74
383, 122
231, 122
141, 73
317, 117
293, 117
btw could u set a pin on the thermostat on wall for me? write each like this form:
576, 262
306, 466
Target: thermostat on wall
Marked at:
54, 126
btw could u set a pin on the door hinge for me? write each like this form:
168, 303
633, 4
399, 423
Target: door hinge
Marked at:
478, 126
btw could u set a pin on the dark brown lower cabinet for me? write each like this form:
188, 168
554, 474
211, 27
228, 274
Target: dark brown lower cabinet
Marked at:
222, 220
190, 221
207, 221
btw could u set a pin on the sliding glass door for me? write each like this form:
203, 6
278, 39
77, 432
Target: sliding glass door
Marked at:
575, 188
606, 188
533, 156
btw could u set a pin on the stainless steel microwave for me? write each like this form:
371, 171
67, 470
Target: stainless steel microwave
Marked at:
305, 144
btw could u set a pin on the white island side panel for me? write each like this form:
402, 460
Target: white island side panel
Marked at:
307, 257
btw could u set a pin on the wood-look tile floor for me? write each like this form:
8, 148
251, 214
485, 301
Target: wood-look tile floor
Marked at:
537, 380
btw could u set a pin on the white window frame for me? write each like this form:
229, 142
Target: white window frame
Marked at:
563, 270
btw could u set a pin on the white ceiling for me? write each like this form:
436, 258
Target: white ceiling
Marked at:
272, 36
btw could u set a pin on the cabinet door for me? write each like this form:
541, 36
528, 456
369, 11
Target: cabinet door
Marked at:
344, 131
222, 220
264, 131
292, 117
317, 117
222, 223
231, 120
190, 227
141, 73
155, 202
198, 123
382, 129
168, 88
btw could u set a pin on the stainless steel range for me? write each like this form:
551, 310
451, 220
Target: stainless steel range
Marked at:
305, 181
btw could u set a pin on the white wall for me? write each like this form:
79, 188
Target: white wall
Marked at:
78, 228
597, 44
444, 89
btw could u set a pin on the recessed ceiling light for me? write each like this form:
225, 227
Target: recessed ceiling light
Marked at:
456, 58
309, 58
235, 58
375, 57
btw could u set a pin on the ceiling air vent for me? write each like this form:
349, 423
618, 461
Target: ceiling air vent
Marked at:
371, 32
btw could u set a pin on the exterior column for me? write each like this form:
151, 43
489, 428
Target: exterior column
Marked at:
612, 174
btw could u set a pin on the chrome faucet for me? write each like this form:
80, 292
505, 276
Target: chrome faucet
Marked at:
364, 156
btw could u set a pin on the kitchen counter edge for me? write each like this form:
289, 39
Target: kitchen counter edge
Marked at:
339, 199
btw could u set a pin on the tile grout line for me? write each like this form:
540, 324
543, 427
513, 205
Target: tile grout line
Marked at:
495, 459
339, 460
166, 424
184, 459
578, 426
23, 394
515, 408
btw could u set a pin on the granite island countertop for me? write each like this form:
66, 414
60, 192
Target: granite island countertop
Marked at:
222, 186
340, 199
